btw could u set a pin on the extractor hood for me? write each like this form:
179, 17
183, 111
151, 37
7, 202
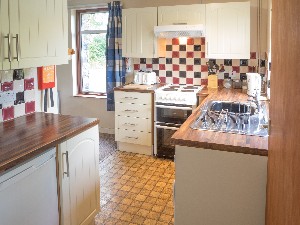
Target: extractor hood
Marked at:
175, 31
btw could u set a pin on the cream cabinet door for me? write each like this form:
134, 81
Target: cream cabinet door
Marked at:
138, 38
79, 178
4, 35
228, 30
181, 14
33, 33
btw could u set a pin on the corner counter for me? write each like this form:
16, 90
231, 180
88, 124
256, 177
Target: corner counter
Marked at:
187, 136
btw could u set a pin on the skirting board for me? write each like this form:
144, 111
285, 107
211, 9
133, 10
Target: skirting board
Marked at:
140, 149
106, 130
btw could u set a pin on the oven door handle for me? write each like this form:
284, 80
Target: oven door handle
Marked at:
173, 107
167, 127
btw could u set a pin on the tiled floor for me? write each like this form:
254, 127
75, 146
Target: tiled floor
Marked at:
135, 189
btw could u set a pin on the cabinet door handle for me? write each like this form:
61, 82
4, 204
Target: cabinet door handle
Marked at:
130, 124
67, 162
9, 49
17, 47
132, 137
128, 110
206, 48
130, 98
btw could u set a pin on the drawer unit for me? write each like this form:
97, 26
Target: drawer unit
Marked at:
133, 97
133, 110
132, 123
134, 137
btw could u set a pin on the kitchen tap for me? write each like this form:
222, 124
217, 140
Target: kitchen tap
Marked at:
255, 100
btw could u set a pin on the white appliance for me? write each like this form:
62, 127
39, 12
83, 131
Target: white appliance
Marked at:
254, 84
179, 30
147, 78
173, 105
28, 193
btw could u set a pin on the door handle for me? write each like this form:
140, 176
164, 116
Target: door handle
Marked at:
9, 49
68, 165
17, 47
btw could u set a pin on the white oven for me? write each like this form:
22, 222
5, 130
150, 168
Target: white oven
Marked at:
173, 105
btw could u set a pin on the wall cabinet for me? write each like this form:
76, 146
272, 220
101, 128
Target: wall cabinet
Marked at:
78, 160
181, 14
134, 121
228, 30
138, 38
33, 33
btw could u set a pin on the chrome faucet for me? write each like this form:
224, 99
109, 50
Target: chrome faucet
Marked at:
255, 100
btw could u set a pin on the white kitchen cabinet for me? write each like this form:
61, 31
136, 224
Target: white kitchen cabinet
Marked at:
181, 14
138, 38
78, 160
228, 30
134, 121
218, 187
33, 33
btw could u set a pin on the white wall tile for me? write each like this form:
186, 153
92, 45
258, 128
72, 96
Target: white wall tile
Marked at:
6, 75
30, 73
18, 85
29, 95
19, 110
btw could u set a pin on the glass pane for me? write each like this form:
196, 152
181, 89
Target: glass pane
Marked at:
94, 21
93, 62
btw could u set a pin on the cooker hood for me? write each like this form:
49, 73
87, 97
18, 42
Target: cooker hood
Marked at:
175, 31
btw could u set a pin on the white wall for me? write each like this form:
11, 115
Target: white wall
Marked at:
80, 106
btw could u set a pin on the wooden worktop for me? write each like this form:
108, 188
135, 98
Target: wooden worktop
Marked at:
187, 136
139, 88
30, 135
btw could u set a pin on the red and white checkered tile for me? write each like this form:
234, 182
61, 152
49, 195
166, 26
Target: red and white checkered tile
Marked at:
17, 93
186, 63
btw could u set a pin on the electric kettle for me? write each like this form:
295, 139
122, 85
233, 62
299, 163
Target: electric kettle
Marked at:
139, 77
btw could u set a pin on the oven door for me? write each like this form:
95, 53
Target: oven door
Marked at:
171, 113
162, 139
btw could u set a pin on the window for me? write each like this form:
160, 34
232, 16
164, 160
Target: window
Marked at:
91, 45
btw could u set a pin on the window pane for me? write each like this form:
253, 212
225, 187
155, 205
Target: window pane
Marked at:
94, 21
93, 62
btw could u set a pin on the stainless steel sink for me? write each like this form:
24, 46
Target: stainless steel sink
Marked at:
232, 117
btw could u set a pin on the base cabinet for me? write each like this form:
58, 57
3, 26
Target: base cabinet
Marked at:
134, 121
219, 188
79, 184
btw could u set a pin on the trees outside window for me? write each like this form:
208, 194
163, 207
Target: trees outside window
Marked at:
91, 45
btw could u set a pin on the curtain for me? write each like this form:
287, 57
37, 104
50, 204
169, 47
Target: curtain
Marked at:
115, 64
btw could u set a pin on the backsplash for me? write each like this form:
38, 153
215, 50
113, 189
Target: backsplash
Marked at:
17, 94
186, 63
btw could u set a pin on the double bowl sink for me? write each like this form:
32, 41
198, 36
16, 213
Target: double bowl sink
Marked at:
233, 117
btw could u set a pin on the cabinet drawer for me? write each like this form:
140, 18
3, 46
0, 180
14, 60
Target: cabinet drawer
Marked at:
134, 137
133, 97
133, 110
132, 123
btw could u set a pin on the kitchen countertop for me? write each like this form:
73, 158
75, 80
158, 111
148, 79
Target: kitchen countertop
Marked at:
187, 136
30, 135
142, 88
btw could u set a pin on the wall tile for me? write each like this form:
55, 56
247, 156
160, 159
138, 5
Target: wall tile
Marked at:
6, 75
8, 113
30, 107
187, 63
19, 110
18, 85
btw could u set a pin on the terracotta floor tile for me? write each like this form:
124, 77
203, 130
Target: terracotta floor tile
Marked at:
149, 222
138, 219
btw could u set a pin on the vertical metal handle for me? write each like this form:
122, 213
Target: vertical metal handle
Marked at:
9, 50
206, 48
68, 166
17, 47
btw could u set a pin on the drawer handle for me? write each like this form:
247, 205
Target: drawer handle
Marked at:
9, 47
131, 98
68, 164
132, 137
128, 110
130, 124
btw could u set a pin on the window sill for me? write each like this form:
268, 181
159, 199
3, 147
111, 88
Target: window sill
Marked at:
91, 96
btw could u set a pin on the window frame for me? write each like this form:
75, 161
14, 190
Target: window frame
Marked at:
78, 46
